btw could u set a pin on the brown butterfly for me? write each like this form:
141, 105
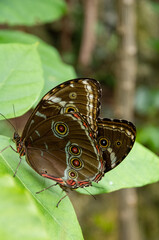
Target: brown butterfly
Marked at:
64, 140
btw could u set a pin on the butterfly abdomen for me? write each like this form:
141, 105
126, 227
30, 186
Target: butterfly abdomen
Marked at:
20, 149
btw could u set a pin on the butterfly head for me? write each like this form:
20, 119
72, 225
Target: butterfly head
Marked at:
16, 137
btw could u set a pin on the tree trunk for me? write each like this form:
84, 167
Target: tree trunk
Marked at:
66, 31
124, 105
88, 37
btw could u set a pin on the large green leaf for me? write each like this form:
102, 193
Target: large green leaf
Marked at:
20, 217
17, 12
55, 71
54, 223
139, 168
21, 78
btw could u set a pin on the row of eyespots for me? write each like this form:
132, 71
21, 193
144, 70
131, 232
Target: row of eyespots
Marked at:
60, 130
104, 143
75, 162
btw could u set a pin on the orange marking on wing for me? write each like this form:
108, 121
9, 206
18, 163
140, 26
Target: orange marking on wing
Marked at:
101, 161
98, 177
84, 124
59, 180
46, 96
84, 183
91, 135
97, 148
76, 115
71, 182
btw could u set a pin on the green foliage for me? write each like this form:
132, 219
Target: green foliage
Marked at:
52, 223
147, 101
29, 68
154, 43
17, 204
17, 12
147, 106
106, 225
149, 136
155, 6
20, 69
55, 71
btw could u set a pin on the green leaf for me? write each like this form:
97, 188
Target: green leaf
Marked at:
20, 217
20, 78
140, 167
53, 223
155, 6
17, 12
154, 43
147, 100
148, 135
55, 71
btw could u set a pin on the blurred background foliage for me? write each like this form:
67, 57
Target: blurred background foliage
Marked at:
99, 218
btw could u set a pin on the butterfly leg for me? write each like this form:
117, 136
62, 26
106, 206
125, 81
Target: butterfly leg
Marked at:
90, 193
17, 167
47, 188
60, 200
9, 146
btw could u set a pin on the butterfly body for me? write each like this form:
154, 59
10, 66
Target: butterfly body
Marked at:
19, 144
64, 140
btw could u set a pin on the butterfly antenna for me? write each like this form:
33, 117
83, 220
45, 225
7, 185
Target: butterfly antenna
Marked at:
8, 121
16, 129
90, 193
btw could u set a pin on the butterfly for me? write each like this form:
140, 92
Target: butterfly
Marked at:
65, 140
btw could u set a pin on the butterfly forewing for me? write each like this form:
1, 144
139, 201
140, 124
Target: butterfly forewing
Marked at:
78, 95
115, 139
62, 148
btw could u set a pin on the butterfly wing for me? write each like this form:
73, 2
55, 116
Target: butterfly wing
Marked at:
78, 95
115, 139
62, 148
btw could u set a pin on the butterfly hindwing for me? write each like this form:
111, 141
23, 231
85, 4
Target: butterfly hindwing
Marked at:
115, 139
62, 148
